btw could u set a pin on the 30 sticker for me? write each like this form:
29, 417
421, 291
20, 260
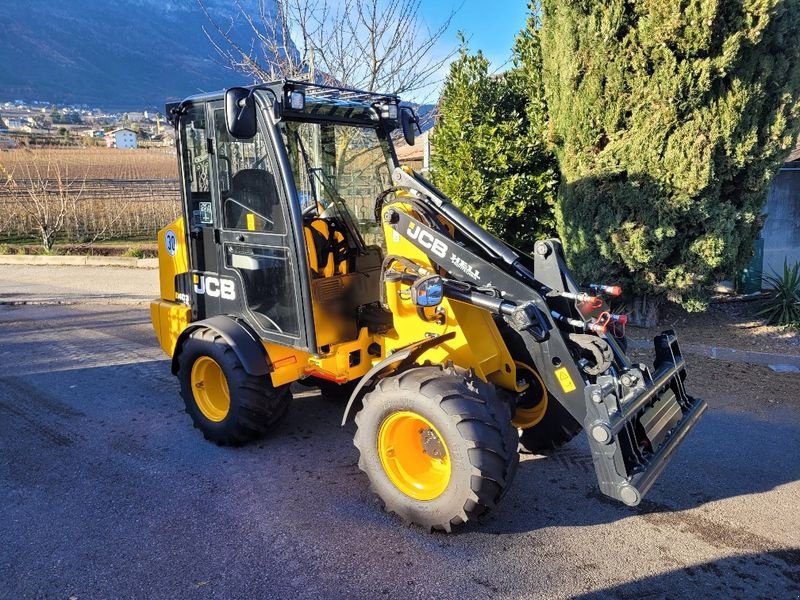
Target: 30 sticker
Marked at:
171, 242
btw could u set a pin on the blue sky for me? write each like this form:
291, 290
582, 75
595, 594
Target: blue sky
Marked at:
488, 26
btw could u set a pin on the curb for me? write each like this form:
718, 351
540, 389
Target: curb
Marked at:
782, 363
79, 261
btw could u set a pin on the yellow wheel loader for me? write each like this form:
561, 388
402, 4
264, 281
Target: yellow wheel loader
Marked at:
305, 253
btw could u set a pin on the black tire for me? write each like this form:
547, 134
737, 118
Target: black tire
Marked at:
255, 404
475, 429
557, 426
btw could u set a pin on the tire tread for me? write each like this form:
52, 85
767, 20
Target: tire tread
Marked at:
483, 422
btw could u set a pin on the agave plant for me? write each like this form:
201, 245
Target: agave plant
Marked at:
783, 305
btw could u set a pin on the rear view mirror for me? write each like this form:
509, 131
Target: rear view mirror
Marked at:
427, 291
408, 120
240, 113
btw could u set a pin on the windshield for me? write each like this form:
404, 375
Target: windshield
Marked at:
339, 171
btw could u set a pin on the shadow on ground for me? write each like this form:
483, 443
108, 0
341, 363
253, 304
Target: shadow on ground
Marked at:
741, 576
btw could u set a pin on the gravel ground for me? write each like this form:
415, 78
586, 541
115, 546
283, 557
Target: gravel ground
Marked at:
106, 491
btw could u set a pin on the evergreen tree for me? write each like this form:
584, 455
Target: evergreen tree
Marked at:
669, 119
489, 154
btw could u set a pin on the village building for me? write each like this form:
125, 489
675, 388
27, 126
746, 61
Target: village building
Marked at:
122, 138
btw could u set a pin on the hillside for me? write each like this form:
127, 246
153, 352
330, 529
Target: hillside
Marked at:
112, 54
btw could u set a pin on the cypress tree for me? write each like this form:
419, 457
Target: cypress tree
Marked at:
489, 153
669, 119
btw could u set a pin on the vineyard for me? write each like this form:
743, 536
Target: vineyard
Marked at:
86, 195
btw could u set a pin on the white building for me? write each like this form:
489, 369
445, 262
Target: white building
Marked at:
121, 138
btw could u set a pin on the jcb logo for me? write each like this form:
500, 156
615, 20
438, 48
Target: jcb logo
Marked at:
215, 287
428, 240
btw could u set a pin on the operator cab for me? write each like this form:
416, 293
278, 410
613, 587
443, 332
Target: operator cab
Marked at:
280, 183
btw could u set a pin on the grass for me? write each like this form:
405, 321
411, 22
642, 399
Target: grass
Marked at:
138, 247
135, 253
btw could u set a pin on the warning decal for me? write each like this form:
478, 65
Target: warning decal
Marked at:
565, 380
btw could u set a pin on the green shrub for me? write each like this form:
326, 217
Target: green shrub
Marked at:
783, 306
134, 253
489, 150
669, 120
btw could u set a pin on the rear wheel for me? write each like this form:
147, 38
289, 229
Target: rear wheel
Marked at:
437, 445
227, 404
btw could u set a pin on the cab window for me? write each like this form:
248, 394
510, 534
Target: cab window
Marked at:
196, 166
247, 182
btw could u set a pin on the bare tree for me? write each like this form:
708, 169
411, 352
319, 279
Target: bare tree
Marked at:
45, 195
7, 208
374, 45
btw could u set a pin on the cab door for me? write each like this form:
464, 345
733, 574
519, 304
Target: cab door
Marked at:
194, 140
259, 263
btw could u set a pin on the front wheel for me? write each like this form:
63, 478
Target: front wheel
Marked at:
543, 423
437, 445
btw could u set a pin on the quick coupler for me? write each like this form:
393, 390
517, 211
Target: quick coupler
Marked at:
635, 422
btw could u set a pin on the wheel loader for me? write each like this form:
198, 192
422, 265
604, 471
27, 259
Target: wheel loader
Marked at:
305, 253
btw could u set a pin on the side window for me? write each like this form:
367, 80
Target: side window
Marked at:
195, 165
247, 183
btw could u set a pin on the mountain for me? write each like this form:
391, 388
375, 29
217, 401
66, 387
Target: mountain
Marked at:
113, 54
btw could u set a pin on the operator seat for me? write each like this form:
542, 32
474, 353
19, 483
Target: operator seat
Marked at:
253, 191
327, 248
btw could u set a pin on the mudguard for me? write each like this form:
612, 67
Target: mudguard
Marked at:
244, 342
393, 362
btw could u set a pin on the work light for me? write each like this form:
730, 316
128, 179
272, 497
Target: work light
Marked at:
389, 111
297, 100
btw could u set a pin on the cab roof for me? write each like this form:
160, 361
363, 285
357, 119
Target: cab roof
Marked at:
322, 101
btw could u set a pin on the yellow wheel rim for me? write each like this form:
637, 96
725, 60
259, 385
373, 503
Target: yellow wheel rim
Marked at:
525, 418
210, 389
414, 455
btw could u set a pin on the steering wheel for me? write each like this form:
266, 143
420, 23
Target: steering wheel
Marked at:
310, 209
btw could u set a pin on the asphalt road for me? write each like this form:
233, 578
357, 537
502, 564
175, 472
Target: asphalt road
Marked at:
20, 284
106, 491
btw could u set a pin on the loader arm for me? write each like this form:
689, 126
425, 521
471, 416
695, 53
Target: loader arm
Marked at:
635, 418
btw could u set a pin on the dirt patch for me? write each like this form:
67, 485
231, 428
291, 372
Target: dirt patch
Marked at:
728, 325
748, 387
739, 386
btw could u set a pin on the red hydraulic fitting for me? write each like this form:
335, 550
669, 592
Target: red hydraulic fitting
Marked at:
611, 290
600, 325
621, 319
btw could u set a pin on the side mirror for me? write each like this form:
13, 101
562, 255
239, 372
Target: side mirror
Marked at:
427, 291
408, 120
240, 113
